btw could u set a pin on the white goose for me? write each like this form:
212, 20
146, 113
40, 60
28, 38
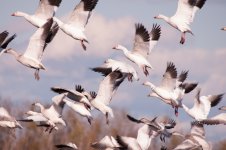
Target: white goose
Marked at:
142, 46
78, 95
202, 106
54, 112
172, 88
159, 127
75, 25
69, 145
39, 120
106, 91
4, 42
195, 140
33, 55
46, 10
184, 16
145, 135
111, 65
7, 121
106, 143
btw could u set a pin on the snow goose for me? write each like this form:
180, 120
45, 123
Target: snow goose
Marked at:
33, 55
75, 25
7, 121
111, 65
106, 143
4, 42
142, 46
184, 16
54, 112
157, 127
46, 10
195, 140
145, 135
78, 95
69, 146
107, 88
202, 105
172, 88
39, 120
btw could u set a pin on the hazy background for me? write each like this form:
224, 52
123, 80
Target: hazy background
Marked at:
112, 23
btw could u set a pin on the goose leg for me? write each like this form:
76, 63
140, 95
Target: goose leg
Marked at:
130, 77
37, 77
182, 38
145, 71
176, 111
107, 120
83, 45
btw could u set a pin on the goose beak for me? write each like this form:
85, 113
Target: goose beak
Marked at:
155, 17
13, 14
114, 47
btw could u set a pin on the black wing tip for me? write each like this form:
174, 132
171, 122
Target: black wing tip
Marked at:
200, 3
79, 88
132, 118
172, 69
142, 31
192, 2
217, 99
183, 75
155, 32
93, 94
89, 5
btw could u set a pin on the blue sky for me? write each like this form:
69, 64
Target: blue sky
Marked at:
112, 23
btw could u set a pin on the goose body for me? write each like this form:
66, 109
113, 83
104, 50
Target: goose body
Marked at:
142, 46
46, 10
111, 65
184, 16
34, 52
75, 25
202, 106
106, 91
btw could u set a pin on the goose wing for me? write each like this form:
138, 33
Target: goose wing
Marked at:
198, 5
141, 41
81, 13
106, 142
108, 86
70, 146
128, 143
4, 115
184, 11
218, 119
71, 94
47, 8
154, 36
169, 77
37, 42
5, 44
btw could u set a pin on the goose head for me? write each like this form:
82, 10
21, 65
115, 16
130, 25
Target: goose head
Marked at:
224, 28
18, 14
159, 16
119, 47
222, 108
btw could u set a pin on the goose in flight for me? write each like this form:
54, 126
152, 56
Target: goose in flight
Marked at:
7, 121
69, 146
106, 143
75, 25
172, 88
39, 120
195, 140
46, 10
107, 88
184, 16
111, 65
159, 127
77, 95
202, 105
4, 42
32, 57
54, 112
143, 44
